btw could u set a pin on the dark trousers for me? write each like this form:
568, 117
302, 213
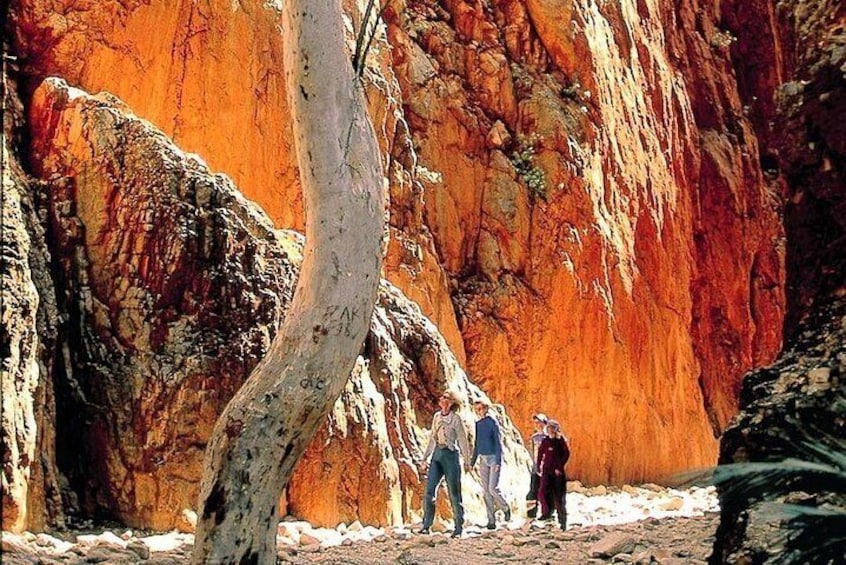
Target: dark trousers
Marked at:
532, 497
554, 488
444, 465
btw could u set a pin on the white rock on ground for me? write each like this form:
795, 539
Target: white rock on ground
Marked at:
617, 506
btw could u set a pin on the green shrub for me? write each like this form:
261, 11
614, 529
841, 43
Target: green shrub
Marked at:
533, 176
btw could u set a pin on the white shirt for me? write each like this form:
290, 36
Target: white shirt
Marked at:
448, 431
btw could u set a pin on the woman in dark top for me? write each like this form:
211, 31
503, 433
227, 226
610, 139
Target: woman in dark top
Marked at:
552, 457
539, 421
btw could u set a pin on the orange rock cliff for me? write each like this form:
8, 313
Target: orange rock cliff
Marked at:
577, 198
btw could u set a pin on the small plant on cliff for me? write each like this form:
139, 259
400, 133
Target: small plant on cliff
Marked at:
523, 161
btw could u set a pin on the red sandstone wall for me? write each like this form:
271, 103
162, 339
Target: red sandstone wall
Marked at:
595, 211
630, 290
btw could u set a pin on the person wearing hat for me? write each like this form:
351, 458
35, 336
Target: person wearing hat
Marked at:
487, 448
552, 457
539, 421
447, 439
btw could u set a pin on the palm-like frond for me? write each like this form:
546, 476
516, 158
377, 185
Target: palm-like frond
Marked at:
754, 482
806, 534
811, 535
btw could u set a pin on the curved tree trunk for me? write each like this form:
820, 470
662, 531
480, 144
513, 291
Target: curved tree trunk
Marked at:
266, 427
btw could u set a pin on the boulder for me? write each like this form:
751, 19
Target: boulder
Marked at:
613, 544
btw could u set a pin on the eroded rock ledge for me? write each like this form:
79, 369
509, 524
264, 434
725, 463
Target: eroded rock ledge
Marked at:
175, 285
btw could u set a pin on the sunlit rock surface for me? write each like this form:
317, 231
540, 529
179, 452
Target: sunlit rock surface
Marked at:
616, 249
579, 181
211, 78
175, 284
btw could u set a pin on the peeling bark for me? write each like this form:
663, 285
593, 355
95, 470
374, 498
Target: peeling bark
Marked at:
266, 427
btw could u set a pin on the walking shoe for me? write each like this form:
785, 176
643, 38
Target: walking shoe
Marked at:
545, 518
423, 531
506, 514
491, 526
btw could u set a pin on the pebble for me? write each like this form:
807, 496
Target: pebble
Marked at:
307, 539
675, 503
591, 521
612, 544
139, 548
423, 540
355, 526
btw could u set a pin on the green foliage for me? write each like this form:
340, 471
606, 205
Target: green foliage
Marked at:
805, 533
534, 177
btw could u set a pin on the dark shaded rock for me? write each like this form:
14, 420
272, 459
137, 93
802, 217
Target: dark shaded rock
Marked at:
28, 337
139, 548
811, 140
801, 396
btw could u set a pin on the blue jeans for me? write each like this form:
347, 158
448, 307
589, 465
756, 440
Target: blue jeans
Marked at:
489, 473
444, 465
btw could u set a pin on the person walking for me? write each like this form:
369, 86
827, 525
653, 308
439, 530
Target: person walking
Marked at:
447, 439
487, 449
552, 457
539, 421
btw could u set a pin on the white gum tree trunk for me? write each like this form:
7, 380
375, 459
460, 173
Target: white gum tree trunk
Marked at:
266, 427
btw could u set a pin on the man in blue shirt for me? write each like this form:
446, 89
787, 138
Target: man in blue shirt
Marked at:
488, 450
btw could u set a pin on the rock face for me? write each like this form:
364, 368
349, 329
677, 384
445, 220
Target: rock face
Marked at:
28, 331
801, 396
175, 285
369, 453
615, 247
811, 140
211, 78
580, 178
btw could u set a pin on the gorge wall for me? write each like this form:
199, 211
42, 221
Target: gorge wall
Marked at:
796, 407
575, 187
579, 201
175, 285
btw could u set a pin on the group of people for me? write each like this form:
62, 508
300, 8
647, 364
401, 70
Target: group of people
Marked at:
448, 439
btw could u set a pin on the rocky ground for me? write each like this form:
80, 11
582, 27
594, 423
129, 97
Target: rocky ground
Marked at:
641, 525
